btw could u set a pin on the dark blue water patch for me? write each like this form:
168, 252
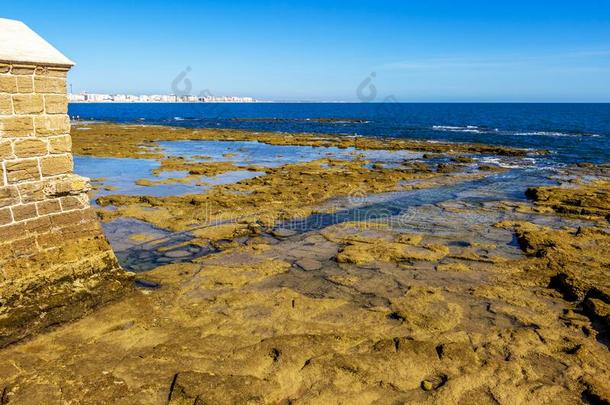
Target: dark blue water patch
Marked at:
573, 132
146, 284
163, 247
148, 256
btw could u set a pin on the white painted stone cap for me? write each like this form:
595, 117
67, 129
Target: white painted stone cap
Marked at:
18, 43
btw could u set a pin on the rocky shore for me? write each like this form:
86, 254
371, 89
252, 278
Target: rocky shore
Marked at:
320, 284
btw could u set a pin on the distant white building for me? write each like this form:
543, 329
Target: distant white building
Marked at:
76, 98
85, 97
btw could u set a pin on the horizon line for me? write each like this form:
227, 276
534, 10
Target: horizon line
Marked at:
343, 102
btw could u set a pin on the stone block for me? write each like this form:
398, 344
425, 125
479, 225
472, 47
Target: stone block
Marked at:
28, 103
13, 232
73, 232
5, 68
6, 104
9, 195
52, 71
22, 170
49, 239
68, 185
60, 144
55, 104
66, 219
70, 203
8, 84
23, 212
49, 84
6, 217
23, 69
30, 147
25, 84
24, 246
55, 165
39, 225
48, 207
6, 150
31, 192
48, 125
16, 126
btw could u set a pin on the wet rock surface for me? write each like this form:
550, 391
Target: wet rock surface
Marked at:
420, 295
141, 141
290, 191
586, 200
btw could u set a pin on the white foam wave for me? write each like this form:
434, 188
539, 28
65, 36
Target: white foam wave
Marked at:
509, 164
468, 128
484, 130
553, 134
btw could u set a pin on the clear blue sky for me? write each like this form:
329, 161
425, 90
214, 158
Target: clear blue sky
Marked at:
323, 50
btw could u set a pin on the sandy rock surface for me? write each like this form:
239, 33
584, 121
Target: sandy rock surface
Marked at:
492, 303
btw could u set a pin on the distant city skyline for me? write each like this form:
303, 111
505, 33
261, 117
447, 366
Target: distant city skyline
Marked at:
334, 50
86, 97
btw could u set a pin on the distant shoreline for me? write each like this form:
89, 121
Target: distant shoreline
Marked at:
342, 102
168, 102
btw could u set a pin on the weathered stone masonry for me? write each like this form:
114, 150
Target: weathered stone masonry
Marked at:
55, 263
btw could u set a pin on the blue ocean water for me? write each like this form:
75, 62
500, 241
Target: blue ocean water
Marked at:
572, 132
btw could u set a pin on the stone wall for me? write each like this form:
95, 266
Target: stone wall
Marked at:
55, 263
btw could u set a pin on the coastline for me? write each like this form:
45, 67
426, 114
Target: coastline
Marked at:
414, 273
417, 211
572, 132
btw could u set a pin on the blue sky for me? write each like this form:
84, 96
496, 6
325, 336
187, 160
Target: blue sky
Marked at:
325, 50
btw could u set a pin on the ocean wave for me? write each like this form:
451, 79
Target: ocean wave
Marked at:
474, 129
497, 161
519, 163
509, 164
468, 128
553, 134
305, 120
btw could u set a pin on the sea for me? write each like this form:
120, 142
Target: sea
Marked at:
572, 133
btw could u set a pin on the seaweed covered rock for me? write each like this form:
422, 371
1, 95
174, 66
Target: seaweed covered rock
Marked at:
587, 200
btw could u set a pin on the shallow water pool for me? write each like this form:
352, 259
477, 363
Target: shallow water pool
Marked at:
119, 176
244, 153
